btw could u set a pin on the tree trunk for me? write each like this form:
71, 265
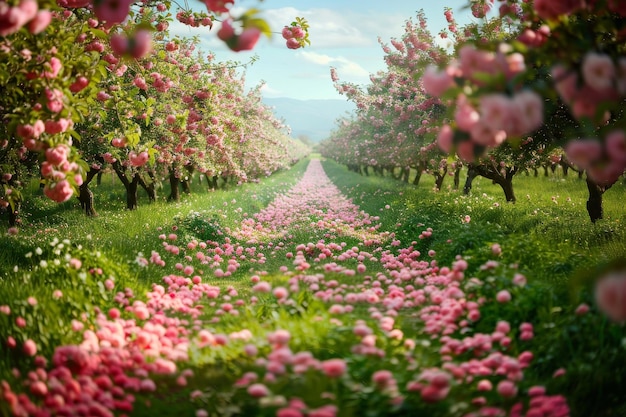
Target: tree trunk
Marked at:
457, 176
99, 178
439, 177
174, 191
504, 181
149, 188
85, 195
594, 203
186, 186
129, 185
471, 174
406, 171
366, 170
131, 193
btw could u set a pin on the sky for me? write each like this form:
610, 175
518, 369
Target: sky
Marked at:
343, 33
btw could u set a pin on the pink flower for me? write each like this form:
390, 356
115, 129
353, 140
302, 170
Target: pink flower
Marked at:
484, 385
112, 11
280, 292
53, 127
60, 191
13, 18
247, 40
437, 82
503, 296
583, 152
507, 389
444, 138
258, 390
610, 295
287, 33
324, 411
30, 348
465, 116
40, 22
334, 368
383, 378
141, 44
218, 6
528, 112
598, 71
615, 144
289, 412
582, 309
293, 43
550, 9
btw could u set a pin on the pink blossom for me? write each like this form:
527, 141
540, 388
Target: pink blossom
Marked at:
507, 389
112, 11
583, 152
334, 368
444, 138
615, 144
60, 191
503, 296
40, 22
610, 295
258, 390
30, 348
549, 9
437, 82
383, 378
598, 70
582, 309
218, 6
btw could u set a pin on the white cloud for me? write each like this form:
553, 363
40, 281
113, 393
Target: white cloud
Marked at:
268, 91
347, 69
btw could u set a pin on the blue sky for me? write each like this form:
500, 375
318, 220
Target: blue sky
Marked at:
343, 33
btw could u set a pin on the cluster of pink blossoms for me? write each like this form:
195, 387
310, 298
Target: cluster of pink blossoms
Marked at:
293, 35
603, 81
26, 13
491, 119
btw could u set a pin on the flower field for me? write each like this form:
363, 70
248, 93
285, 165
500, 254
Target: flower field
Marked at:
319, 292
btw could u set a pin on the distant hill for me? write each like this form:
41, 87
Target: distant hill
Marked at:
312, 118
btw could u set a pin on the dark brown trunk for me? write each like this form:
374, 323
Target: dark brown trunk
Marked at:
129, 185
150, 188
186, 186
594, 203
471, 174
457, 176
439, 177
85, 195
405, 174
504, 181
174, 191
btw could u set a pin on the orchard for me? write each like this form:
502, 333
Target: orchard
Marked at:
268, 280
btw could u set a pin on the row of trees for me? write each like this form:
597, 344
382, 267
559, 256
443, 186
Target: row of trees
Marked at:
524, 86
89, 88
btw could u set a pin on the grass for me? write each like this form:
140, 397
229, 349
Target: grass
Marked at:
546, 236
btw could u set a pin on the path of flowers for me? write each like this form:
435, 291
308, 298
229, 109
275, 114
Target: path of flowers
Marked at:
410, 338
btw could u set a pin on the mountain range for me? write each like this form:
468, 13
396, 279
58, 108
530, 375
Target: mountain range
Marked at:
314, 119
